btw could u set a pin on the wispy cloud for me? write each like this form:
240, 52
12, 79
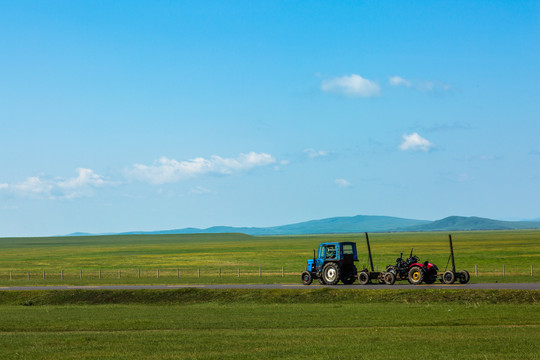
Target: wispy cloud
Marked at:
167, 170
398, 81
420, 85
58, 188
353, 85
342, 183
414, 142
199, 190
312, 153
431, 86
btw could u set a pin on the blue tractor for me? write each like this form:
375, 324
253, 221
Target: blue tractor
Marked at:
334, 262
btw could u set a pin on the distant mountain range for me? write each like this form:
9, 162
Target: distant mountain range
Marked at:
358, 224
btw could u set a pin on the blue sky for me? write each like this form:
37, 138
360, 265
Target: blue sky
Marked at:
119, 116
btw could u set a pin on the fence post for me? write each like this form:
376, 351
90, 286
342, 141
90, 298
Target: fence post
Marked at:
80, 274
138, 273
476, 270
99, 272
531, 270
283, 271
503, 270
238, 272
62, 274
198, 272
43, 274
119, 273
177, 273
29, 275
157, 273
260, 271
10, 275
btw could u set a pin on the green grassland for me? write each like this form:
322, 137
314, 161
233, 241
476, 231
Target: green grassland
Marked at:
270, 324
254, 256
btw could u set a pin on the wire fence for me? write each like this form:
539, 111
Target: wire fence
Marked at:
206, 272
146, 273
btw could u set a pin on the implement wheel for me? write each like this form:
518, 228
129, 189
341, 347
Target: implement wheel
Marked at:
389, 279
331, 274
363, 278
464, 277
449, 277
416, 275
306, 278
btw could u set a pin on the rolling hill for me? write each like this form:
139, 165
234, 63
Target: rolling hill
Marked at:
358, 224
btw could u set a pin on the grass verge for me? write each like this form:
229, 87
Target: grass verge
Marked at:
265, 296
270, 324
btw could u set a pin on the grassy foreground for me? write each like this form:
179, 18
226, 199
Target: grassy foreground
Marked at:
275, 324
201, 258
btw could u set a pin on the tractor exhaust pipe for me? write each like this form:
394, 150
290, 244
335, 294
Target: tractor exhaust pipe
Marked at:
369, 252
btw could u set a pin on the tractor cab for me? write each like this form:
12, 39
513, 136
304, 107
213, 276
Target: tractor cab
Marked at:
341, 256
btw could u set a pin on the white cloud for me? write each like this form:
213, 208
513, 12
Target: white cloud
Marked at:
415, 142
420, 85
353, 85
33, 186
167, 170
312, 153
431, 86
342, 183
398, 81
80, 186
199, 190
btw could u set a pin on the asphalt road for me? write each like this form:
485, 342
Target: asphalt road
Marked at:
491, 286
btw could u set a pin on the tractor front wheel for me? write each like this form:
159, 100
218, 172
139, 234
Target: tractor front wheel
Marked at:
464, 277
416, 275
363, 278
449, 277
389, 278
307, 278
331, 274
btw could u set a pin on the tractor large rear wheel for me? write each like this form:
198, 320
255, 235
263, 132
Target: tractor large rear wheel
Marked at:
464, 277
348, 274
306, 278
331, 274
430, 277
349, 279
416, 275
